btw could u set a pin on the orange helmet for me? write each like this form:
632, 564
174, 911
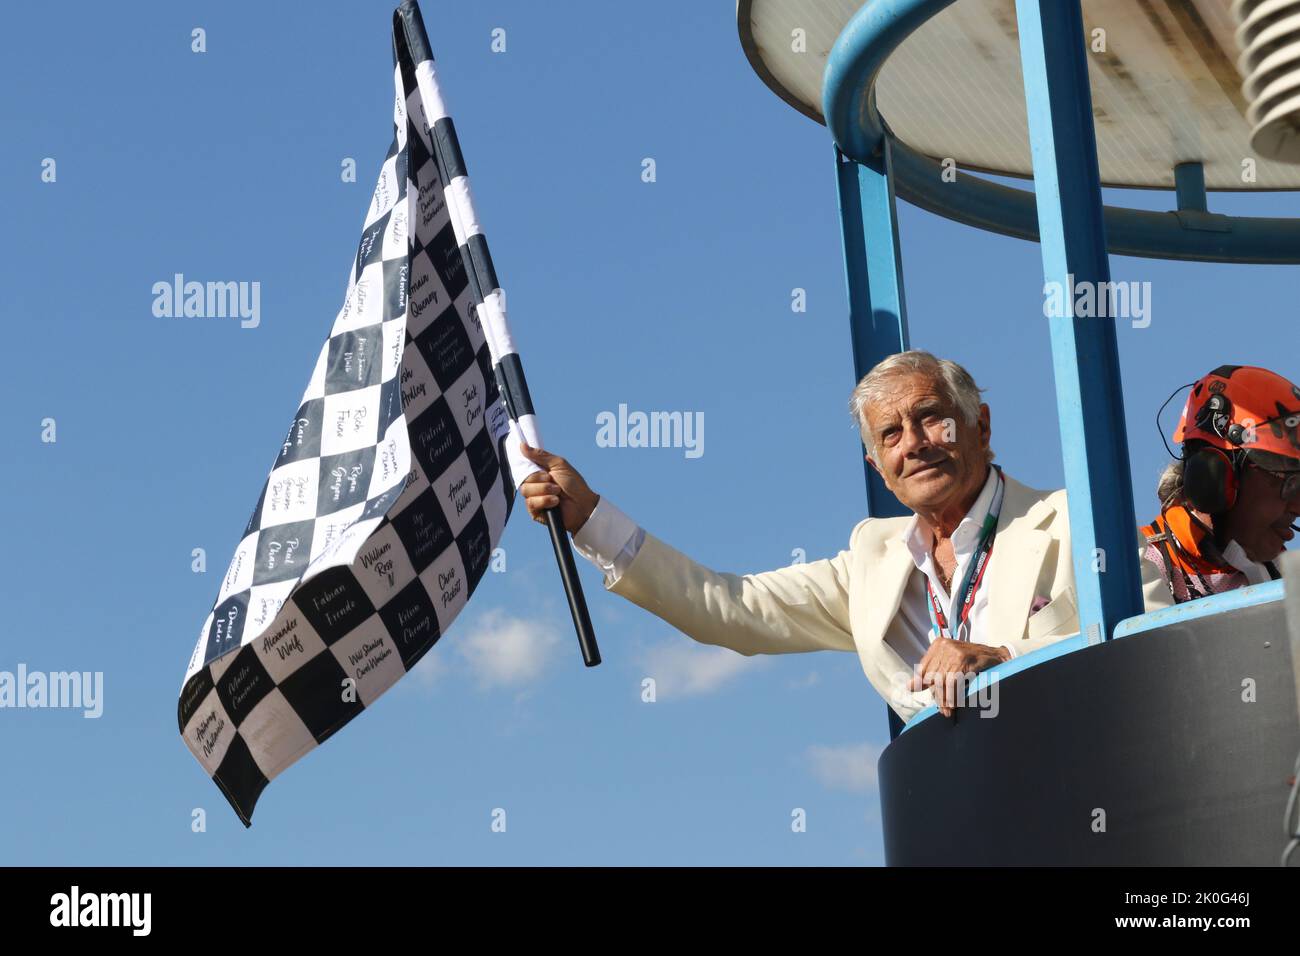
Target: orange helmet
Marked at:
1243, 407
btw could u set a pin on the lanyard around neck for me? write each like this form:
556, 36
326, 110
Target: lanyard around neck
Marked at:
975, 569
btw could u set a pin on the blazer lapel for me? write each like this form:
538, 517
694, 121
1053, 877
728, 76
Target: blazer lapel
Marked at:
888, 581
1018, 554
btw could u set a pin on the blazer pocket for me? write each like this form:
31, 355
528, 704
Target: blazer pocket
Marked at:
1055, 615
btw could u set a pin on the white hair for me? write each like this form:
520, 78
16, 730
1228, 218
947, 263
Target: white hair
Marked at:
955, 382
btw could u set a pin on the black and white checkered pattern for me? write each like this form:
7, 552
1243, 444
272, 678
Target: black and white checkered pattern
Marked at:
392, 486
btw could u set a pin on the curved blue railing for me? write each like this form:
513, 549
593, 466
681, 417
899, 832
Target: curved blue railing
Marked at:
1265, 593
849, 107
997, 672
859, 53
1253, 596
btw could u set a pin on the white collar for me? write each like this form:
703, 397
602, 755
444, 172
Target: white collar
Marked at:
1255, 572
964, 537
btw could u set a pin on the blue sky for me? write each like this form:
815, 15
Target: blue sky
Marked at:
672, 295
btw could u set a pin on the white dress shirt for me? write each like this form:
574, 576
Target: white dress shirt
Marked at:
917, 634
610, 539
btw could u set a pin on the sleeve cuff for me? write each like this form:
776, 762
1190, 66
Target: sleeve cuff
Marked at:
605, 534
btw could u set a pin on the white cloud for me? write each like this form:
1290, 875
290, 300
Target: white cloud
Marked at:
847, 767
681, 668
504, 651
430, 668
808, 680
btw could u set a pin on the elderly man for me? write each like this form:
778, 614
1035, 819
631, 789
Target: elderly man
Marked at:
980, 573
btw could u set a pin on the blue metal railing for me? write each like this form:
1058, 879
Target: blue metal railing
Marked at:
849, 108
1259, 594
1256, 594
987, 678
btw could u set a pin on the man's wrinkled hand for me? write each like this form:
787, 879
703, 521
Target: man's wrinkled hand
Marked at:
946, 662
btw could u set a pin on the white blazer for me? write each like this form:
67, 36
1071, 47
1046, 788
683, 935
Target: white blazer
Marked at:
850, 602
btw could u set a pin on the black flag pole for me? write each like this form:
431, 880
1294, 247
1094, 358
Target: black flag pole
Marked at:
573, 588
514, 389
486, 295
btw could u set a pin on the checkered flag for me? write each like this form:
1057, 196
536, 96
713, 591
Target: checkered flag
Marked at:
394, 481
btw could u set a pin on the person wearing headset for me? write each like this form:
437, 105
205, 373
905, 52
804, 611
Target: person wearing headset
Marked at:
1228, 507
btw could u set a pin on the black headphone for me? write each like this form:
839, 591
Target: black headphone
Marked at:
1211, 476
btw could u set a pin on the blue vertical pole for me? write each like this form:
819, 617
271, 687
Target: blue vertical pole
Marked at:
1189, 187
1085, 359
873, 270
874, 273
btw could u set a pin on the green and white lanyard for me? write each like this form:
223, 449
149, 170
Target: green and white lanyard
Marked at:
974, 572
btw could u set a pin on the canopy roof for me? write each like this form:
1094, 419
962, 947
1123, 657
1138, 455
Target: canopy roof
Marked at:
1166, 90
